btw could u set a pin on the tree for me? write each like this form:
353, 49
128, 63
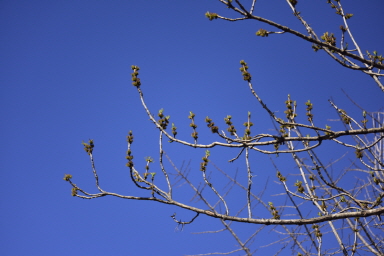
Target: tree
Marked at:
315, 202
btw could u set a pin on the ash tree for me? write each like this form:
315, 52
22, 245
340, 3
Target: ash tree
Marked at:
345, 207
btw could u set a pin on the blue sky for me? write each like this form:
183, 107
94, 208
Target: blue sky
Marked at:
65, 78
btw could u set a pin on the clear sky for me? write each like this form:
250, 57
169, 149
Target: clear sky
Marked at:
65, 78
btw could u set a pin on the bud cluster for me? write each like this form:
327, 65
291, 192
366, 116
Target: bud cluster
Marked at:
244, 72
67, 177
317, 231
164, 120
135, 80
129, 156
338, 10
309, 110
204, 164
291, 105
211, 16
329, 38
174, 130
281, 177
262, 32
299, 185
193, 125
375, 57
344, 117
210, 124
248, 126
275, 213
231, 127
88, 147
